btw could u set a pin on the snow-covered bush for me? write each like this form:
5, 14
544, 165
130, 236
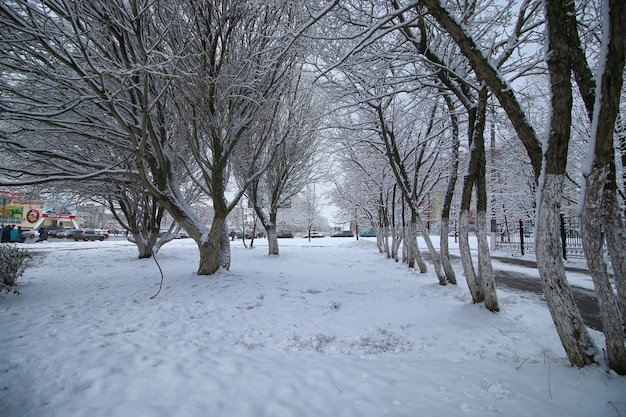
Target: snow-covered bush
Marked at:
13, 263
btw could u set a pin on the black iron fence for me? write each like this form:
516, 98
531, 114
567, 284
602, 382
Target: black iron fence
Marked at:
518, 237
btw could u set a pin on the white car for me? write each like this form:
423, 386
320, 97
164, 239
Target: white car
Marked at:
30, 234
315, 233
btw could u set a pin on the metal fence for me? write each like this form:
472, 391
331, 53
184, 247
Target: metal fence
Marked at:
518, 237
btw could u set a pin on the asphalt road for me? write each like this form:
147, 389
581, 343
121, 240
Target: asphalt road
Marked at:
585, 299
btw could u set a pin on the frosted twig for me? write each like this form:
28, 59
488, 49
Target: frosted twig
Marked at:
549, 383
241, 337
522, 364
614, 408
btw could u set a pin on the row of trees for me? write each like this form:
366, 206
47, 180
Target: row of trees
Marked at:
414, 79
158, 103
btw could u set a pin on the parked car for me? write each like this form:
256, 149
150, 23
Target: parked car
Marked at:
103, 232
87, 235
369, 233
30, 234
343, 233
65, 233
284, 235
54, 232
314, 234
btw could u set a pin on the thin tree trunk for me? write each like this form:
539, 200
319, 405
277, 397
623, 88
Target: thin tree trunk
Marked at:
396, 243
485, 269
473, 279
431, 249
486, 278
445, 250
466, 258
413, 256
447, 200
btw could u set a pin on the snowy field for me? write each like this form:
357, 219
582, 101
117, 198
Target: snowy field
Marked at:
328, 328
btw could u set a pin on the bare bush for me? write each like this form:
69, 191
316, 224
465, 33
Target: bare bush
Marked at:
14, 262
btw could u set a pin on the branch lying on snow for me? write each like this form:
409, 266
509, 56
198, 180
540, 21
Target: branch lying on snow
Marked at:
161, 271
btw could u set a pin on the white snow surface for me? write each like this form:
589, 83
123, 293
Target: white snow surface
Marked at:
328, 328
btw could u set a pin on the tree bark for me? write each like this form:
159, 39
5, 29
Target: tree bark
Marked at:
447, 200
592, 219
215, 250
616, 243
431, 248
601, 213
413, 255
466, 258
572, 331
486, 278
574, 336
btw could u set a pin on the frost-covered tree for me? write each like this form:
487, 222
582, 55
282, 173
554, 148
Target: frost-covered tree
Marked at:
550, 165
157, 83
601, 211
294, 152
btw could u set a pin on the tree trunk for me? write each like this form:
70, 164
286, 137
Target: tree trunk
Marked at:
431, 249
469, 180
486, 278
225, 247
144, 248
485, 269
447, 200
411, 248
272, 241
395, 243
466, 258
592, 243
548, 247
575, 338
272, 237
215, 250
616, 243
445, 250
601, 213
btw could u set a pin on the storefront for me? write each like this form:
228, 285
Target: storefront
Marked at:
30, 214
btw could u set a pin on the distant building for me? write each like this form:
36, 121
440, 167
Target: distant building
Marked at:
31, 214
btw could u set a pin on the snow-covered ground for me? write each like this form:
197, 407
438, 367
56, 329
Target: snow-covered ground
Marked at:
328, 328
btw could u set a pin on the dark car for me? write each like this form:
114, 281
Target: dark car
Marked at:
369, 233
284, 235
87, 235
343, 233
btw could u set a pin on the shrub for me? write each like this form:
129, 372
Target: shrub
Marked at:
13, 263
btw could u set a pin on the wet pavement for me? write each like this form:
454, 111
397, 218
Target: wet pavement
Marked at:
585, 299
